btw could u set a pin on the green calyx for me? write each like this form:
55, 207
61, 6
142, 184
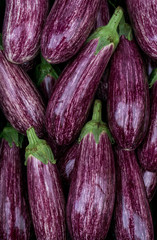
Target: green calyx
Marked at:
38, 148
1, 48
153, 78
11, 135
108, 34
44, 69
96, 126
125, 29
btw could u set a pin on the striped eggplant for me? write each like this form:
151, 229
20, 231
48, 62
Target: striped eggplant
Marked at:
103, 15
147, 152
70, 102
128, 93
92, 190
44, 190
150, 182
23, 23
19, 99
67, 28
15, 221
144, 22
132, 213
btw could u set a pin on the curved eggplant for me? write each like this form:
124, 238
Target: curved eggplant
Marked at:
128, 95
150, 182
23, 23
15, 220
92, 190
144, 22
132, 212
44, 189
147, 152
67, 28
70, 102
19, 99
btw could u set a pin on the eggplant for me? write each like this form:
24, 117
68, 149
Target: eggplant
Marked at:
132, 212
22, 27
21, 103
71, 99
15, 220
103, 14
143, 19
147, 152
128, 93
150, 182
67, 28
44, 190
92, 190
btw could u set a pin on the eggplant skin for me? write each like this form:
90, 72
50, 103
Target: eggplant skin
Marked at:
70, 102
15, 221
103, 14
147, 152
23, 23
20, 101
128, 96
47, 86
67, 27
143, 18
150, 182
132, 212
92, 190
46, 200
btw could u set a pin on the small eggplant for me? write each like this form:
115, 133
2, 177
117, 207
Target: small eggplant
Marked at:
132, 212
70, 102
44, 190
150, 182
15, 220
128, 93
103, 15
92, 190
147, 152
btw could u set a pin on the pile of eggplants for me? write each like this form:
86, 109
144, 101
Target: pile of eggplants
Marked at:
78, 120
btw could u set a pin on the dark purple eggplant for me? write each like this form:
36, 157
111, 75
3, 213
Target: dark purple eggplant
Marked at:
147, 152
67, 28
19, 99
128, 93
27, 66
92, 190
44, 189
15, 221
23, 23
144, 22
150, 182
132, 213
70, 102
103, 14
46, 78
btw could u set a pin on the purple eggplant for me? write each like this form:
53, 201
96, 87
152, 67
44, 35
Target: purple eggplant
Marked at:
147, 152
67, 28
103, 14
70, 102
27, 66
144, 22
92, 190
15, 221
128, 93
19, 99
44, 189
150, 182
132, 213
23, 23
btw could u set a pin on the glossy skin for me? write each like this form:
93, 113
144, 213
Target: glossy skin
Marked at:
23, 23
67, 27
147, 152
47, 86
144, 22
150, 182
128, 96
19, 99
92, 190
70, 102
133, 219
46, 200
15, 219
